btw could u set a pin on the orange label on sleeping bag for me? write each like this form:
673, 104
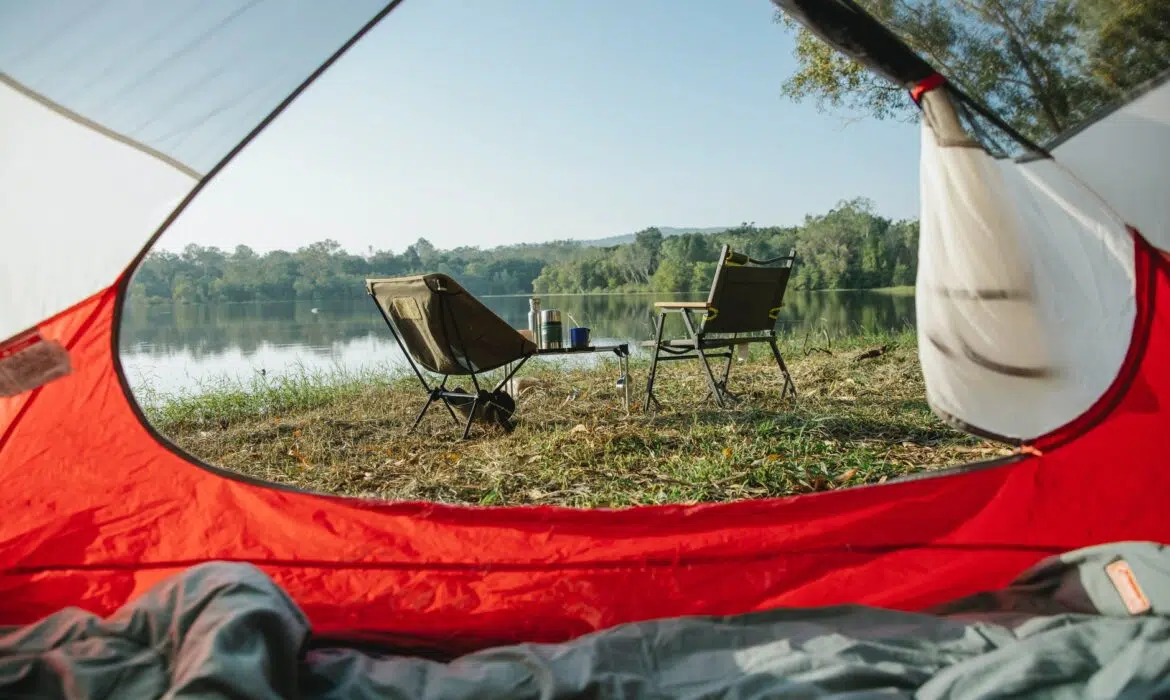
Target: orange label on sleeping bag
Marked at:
1127, 587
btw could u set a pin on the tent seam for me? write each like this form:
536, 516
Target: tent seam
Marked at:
97, 127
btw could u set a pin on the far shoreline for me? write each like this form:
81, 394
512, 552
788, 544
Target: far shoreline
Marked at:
904, 290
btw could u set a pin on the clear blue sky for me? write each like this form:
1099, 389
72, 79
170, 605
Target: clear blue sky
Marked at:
487, 123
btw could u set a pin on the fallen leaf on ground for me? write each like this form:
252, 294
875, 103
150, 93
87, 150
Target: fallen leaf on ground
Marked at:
846, 476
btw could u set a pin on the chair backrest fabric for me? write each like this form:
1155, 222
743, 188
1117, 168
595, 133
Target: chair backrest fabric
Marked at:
444, 328
746, 297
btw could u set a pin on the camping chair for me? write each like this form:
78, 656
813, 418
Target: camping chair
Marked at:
442, 328
746, 297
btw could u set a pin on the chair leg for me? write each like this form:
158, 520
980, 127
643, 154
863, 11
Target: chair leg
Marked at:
446, 403
624, 361
450, 410
423, 412
789, 387
654, 363
470, 417
711, 384
726, 374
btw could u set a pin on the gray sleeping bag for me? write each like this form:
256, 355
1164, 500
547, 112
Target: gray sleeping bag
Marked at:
1070, 627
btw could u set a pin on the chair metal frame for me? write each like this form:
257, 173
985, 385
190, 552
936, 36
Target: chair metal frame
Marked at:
698, 345
482, 396
440, 391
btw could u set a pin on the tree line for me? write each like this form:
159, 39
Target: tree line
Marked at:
849, 247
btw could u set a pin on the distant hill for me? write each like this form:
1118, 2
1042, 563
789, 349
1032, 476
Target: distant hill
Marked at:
667, 231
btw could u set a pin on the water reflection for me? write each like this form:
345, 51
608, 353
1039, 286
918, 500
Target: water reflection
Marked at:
176, 347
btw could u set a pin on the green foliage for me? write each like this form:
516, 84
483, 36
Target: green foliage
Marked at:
849, 247
1043, 65
323, 270
1132, 40
672, 275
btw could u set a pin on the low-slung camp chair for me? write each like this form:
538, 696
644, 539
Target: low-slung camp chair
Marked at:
442, 328
745, 299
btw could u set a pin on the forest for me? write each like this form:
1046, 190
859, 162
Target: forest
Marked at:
849, 247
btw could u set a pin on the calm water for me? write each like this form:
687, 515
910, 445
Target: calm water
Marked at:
179, 348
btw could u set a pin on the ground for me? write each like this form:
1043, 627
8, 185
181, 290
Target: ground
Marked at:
861, 417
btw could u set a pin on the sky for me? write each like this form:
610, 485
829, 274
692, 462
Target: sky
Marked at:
490, 123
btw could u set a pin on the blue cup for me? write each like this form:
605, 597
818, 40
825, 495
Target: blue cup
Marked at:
579, 337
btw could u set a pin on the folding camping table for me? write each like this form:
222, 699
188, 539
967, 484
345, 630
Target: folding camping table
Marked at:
621, 350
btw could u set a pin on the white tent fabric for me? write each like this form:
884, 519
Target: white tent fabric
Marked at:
78, 204
1123, 158
1025, 290
111, 112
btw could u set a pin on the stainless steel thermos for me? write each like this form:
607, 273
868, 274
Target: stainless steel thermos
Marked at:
534, 319
550, 329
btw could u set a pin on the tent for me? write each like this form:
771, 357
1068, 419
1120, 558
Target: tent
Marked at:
1044, 320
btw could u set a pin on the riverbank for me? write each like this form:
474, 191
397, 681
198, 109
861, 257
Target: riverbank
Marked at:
861, 418
641, 291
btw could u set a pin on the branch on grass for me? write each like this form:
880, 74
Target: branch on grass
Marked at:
872, 353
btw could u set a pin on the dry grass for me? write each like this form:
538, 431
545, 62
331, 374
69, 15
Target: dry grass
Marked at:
856, 421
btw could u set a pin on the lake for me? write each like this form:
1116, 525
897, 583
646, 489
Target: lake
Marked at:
178, 348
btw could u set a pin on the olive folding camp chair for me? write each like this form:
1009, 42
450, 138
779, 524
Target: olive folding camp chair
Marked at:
745, 299
442, 328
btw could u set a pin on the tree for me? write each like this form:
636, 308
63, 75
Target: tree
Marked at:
672, 275
702, 274
1042, 65
1132, 40
643, 254
185, 291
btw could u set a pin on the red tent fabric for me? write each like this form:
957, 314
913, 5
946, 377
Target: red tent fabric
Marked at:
98, 508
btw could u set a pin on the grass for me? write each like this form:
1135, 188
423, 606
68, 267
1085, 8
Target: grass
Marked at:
901, 291
856, 421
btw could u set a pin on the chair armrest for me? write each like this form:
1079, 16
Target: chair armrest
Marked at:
680, 304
